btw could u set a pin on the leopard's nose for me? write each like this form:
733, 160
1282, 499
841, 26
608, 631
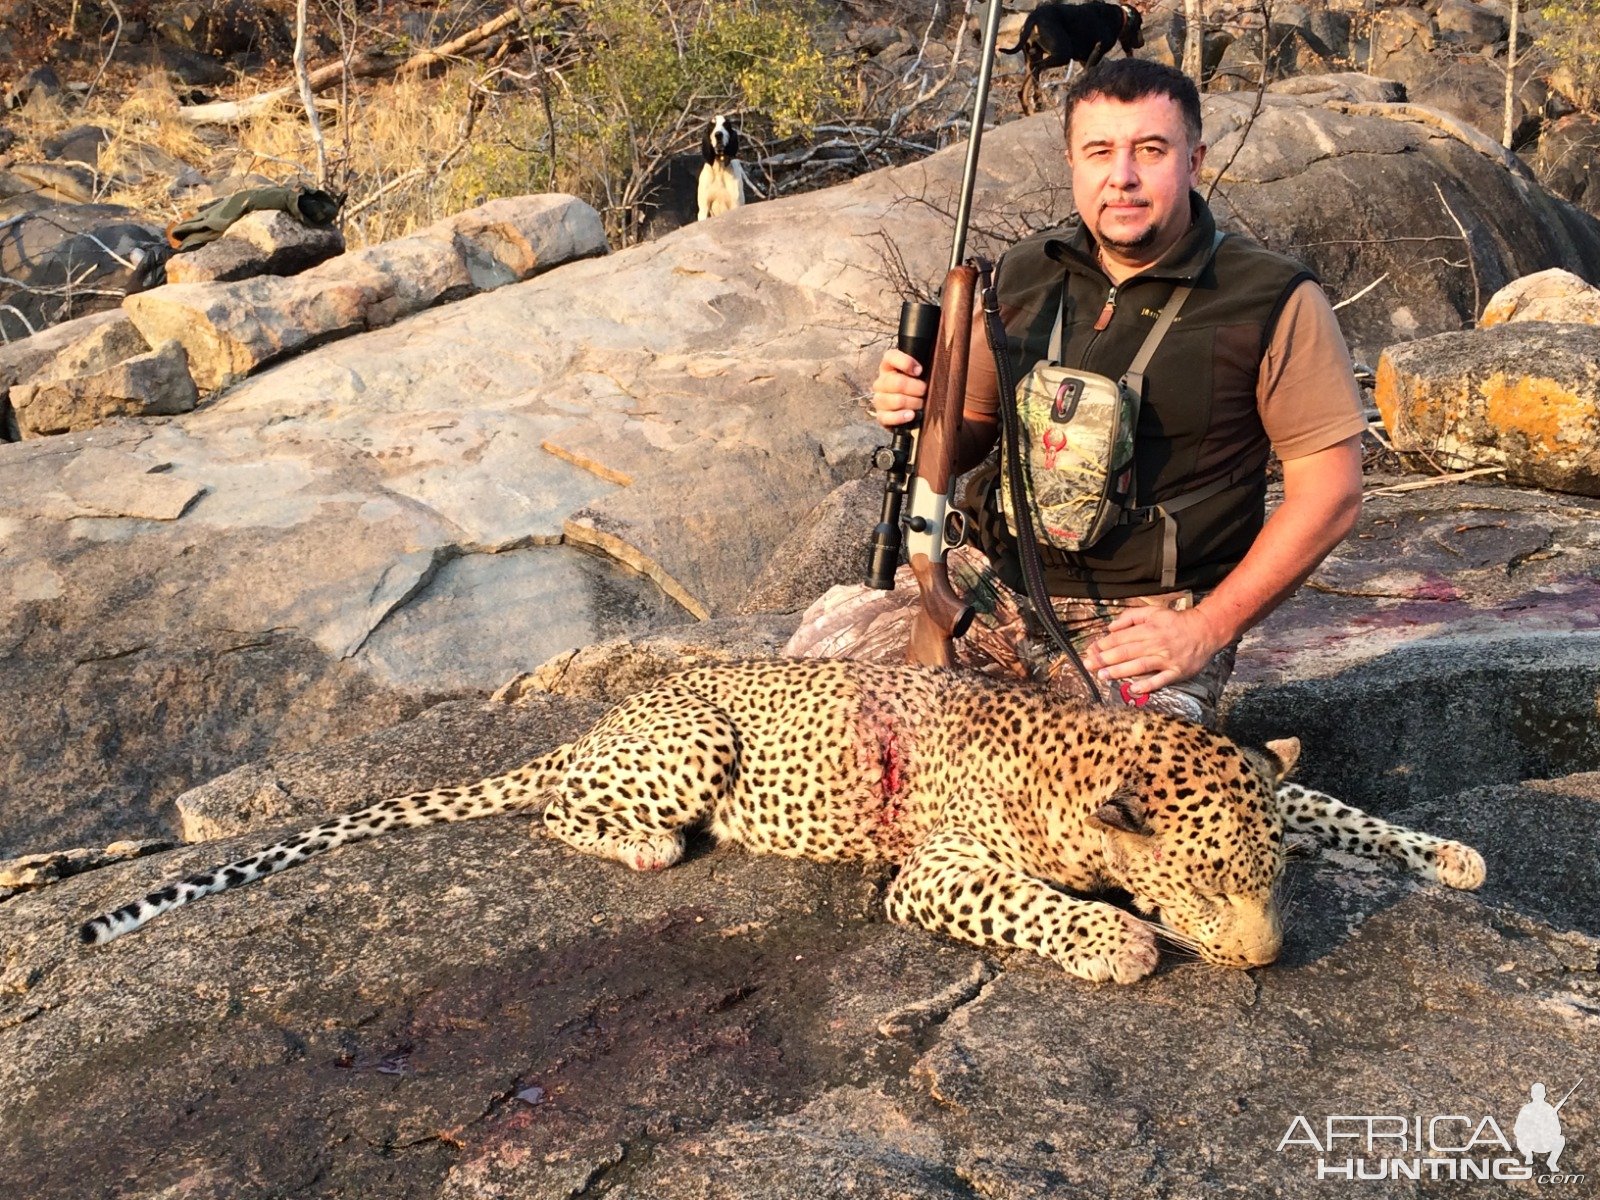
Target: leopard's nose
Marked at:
1263, 953
1258, 932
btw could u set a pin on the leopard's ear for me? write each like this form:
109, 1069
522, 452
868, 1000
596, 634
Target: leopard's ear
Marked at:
1124, 811
1284, 753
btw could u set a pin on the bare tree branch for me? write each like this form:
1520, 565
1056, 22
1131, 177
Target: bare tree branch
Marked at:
110, 54
1472, 266
303, 79
474, 106
1352, 299
1255, 109
365, 66
17, 312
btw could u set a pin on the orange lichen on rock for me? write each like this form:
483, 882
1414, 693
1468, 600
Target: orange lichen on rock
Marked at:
1524, 397
1550, 415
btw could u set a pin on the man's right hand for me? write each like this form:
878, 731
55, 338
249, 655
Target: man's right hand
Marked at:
899, 390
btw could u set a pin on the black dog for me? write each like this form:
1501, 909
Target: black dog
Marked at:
1055, 35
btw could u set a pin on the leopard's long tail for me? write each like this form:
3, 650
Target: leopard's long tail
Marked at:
515, 790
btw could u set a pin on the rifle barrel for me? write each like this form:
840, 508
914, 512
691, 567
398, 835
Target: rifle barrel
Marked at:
980, 108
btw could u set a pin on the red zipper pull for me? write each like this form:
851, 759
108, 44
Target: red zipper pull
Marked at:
1104, 318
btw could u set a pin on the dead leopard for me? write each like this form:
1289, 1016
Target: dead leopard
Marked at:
991, 796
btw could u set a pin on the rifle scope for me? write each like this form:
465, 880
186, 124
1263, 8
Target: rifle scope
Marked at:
919, 333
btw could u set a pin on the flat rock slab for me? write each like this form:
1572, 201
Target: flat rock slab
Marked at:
41, 870
454, 743
468, 1012
1453, 640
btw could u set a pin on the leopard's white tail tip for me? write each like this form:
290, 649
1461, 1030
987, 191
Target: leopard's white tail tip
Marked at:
112, 925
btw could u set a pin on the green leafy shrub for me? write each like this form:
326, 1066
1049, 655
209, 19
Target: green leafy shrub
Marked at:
1571, 37
651, 73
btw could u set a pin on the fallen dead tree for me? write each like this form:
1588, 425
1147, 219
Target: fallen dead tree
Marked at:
364, 66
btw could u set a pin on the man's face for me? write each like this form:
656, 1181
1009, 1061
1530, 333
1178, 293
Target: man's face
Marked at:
1132, 168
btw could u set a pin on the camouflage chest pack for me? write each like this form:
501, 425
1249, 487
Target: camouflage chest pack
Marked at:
1075, 439
1070, 450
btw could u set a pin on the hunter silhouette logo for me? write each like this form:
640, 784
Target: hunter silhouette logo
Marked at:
1538, 1127
1451, 1146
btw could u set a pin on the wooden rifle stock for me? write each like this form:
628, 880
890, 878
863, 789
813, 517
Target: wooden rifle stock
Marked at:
942, 615
921, 462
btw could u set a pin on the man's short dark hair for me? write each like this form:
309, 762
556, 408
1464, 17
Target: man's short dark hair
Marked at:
1131, 79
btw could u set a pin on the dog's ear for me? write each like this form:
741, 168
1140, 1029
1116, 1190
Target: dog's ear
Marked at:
1134, 34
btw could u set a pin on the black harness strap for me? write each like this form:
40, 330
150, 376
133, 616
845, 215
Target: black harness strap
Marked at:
1027, 543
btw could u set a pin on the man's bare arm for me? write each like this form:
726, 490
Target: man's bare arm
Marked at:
1155, 647
1321, 501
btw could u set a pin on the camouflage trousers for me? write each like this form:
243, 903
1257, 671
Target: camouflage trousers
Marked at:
1086, 621
1006, 638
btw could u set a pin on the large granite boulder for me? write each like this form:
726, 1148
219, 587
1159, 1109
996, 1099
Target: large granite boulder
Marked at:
1291, 192
240, 30
153, 383
1278, 51
34, 357
468, 1013
1567, 160
1522, 396
258, 243
1555, 295
64, 260
231, 329
1469, 26
1400, 37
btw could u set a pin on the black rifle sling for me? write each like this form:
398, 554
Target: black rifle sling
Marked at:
1027, 544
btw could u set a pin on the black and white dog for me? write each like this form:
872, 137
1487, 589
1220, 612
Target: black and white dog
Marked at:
1057, 35
722, 177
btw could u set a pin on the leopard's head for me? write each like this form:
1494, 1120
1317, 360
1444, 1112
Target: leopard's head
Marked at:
1195, 833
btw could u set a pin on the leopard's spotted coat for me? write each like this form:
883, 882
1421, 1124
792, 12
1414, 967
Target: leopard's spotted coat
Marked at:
991, 797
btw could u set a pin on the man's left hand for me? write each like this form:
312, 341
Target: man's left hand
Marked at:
1153, 648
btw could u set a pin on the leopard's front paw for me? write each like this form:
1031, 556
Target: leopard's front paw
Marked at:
1459, 866
1107, 943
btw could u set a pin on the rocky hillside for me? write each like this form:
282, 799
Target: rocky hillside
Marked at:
429, 505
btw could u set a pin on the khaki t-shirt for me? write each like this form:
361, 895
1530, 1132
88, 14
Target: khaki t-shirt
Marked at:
1306, 393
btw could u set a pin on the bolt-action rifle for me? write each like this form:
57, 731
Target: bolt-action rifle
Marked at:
920, 460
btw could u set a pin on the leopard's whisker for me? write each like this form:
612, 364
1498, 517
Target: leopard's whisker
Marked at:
1166, 933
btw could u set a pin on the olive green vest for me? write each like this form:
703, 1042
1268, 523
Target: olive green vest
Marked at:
1198, 424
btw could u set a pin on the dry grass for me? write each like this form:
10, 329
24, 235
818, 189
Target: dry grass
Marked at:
397, 147
400, 129
396, 129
